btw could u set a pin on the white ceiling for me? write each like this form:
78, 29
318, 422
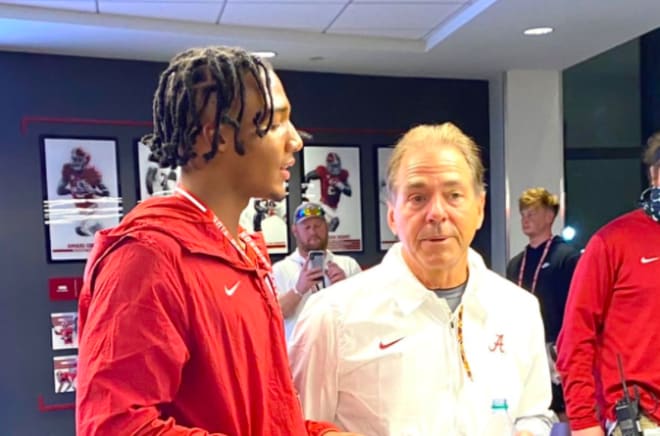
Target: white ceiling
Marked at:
424, 38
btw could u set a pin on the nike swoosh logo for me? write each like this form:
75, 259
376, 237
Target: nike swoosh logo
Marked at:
646, 260
230, 291
383, 346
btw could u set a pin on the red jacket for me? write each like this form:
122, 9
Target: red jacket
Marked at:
613, 309
179, 335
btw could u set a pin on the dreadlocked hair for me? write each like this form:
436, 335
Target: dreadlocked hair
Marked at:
183, 93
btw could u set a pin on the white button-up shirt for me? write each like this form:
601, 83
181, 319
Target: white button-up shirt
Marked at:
379, 354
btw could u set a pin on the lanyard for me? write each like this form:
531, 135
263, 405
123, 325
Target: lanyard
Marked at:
461, 347
243, 236
535, 280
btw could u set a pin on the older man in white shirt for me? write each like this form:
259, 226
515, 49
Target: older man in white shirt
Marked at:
423, 343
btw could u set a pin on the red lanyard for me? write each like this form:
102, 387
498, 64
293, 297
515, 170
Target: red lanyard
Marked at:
243, 236
535, 280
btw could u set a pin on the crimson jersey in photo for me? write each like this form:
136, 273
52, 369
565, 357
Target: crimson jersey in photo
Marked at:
329, 193
77, 181
66, 377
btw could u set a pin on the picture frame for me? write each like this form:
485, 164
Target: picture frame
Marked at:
386, 238
81, 193
65, 373
331, 177
271, 219
153, 181
64, 330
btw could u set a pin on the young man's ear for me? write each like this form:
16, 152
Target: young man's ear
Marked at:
207, 133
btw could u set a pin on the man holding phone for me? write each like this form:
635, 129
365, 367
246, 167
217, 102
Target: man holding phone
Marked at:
311, 266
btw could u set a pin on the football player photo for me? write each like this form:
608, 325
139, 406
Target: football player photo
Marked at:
387, 238
269, 218
82, 193
332, 178
153, 180
64, 330
64, 373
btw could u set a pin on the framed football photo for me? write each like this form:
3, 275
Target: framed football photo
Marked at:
81, 193
385, 236
65, 373
64, 330
152, 180
270, 218
331, 177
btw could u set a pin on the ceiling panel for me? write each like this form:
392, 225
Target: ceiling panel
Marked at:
394, 15
417, 2
70, 5
299, 16
289, 1
162, 1
200, 11
381, 32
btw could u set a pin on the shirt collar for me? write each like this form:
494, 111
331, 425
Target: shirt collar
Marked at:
409, 293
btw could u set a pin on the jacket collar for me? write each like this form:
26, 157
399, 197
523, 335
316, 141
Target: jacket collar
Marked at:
181, 220
409, 293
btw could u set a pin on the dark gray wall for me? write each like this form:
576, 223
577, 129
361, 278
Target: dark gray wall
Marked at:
602, 139
650, 83
342, 109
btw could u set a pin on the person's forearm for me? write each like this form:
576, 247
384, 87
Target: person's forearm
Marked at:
289, 302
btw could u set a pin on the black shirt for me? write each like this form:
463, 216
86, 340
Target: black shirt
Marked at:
553, 282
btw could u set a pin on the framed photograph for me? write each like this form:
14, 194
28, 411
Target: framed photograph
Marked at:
332, 178
153, 180
270, 218
81, 193
64, 330
65, 372
385, 236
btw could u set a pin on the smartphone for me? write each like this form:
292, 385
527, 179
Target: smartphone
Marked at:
316, 259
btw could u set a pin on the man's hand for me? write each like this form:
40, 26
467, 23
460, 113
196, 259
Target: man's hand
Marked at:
591, 431
524, 433
308, 277
335, 274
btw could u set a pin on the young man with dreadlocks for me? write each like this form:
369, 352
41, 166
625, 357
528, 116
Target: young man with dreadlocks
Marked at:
181, 332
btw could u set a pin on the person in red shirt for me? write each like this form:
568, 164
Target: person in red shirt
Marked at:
180, 329
612, 314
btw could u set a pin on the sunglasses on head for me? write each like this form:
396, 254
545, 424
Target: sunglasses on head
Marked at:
308, 211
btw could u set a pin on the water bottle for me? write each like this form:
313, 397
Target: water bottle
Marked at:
500, 423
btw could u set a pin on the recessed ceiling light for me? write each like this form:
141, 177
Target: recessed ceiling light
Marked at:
265, 54
537, 31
